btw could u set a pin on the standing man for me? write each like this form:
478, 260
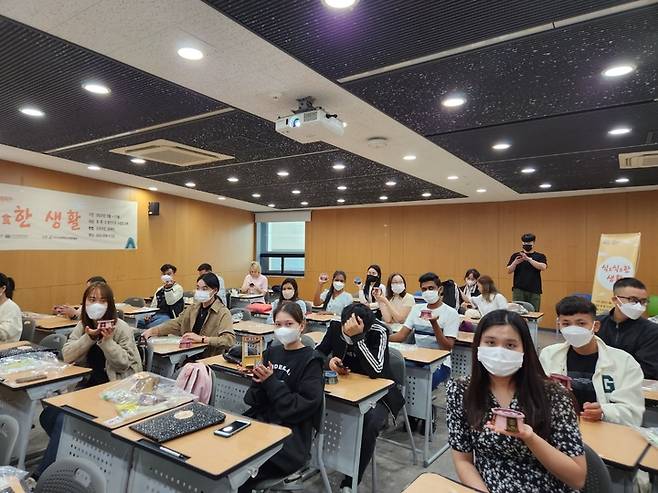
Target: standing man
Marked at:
527, 266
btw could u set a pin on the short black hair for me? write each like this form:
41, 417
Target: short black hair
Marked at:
94, 279
361, 311
571, 305
9, 285
207, 267
429, 276
166, 267
628, 282
475, 272
528, 237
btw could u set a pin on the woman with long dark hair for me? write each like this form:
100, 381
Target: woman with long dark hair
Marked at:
546, 452
289, 294
335, 298
489, 299
372, 287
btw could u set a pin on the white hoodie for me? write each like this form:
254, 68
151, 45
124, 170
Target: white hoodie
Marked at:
617, 380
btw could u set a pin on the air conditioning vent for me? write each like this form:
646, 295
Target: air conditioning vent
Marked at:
169, 152
632, 160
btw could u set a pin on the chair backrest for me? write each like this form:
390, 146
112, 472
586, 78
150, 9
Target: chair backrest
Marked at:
398, 368
526, 305
309, 306
8, 436
54, 341
121, 315
72, 476
246, 314
598, 477
135, 301
28, 329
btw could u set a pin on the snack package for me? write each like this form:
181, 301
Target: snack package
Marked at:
26, 362
12, 479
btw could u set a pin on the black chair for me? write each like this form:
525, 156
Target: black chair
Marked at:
246, 314
135, 301
28, 329
598, 478
54, 341
74, 475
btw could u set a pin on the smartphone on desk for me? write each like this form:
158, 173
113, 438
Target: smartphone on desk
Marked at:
232, 428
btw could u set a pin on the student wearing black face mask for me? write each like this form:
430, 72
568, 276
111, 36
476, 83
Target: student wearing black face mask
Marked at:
527, 266
373, 282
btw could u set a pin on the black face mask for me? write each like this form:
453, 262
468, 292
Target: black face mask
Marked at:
373, 281
527, 248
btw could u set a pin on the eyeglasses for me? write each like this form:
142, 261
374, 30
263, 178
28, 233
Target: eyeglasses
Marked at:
633, 299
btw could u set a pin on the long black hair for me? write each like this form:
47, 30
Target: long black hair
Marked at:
533, 388
106, 292
368, 285
330, 293
293, 283
9, 285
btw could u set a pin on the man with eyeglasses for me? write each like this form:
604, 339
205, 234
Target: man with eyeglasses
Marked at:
624, 327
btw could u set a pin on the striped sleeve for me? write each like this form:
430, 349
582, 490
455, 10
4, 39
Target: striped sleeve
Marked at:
373, 354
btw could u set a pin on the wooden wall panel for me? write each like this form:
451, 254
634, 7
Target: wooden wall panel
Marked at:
186, 233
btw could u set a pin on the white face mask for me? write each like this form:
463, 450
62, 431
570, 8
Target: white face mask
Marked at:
201, 296
287, 335
166, 278
339, 285
577, 336
95, 311
430, 297
631, 310
470, 282
397, 287
288, 294
500, 361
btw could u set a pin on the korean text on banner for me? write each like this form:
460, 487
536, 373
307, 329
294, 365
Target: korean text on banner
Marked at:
39, 219
618, 257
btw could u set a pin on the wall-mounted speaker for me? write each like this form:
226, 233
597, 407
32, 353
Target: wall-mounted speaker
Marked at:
154, 208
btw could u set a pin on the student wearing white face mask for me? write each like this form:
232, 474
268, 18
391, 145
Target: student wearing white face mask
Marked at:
607, 382
545, 452
624, 328
206, 321
395, 303
335, 299
11, 321
168, 299
289, 294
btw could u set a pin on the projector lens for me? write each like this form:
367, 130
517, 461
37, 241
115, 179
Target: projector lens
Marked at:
295, 122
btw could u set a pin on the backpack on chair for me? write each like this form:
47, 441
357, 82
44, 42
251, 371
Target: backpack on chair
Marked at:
196, 379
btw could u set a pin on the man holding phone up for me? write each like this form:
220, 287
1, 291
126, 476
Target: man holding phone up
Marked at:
527, 266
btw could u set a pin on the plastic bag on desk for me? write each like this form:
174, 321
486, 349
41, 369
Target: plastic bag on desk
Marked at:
164, 340
145, 392
42, 361
12, 478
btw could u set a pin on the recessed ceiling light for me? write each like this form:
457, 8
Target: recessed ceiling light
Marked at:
296, 192
453, 177
304, 203
190, 184
383, 197
427, 194
481, 190
341, 187
271, 205
622, 180
31, 111
153, 189
341, 201
527, 171
233, 179
339, 4
618, 70
96, 88
190, 53
545, 185
221, 197
344, 124
93, 167
391, 183
501, 146
282, 173
255, 195
137, 160
409, 157
338, 166
453, 101
619, 131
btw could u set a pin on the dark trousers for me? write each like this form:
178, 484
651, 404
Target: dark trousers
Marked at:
533, 298
52, 421
373, 422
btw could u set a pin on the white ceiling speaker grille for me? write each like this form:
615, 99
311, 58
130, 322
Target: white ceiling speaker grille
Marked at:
169, 152
633, 160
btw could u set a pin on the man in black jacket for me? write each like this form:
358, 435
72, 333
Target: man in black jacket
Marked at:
624, 328
359, 343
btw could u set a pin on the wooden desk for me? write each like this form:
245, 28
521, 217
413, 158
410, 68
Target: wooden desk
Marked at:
132, 311
650, 389
316, 336
253, 328
54, 322
465, 337
167, 349
430, 481
219, 360
649, 462
11, 345
321, 317
68, 373
618, 445
354, 387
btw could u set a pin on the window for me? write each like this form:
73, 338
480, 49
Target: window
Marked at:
281, 247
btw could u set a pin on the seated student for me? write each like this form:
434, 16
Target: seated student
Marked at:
168, 299
11, 318
287, 390
489, 300
372, 285
396, 304
438, 330
206, 321
70, 311
255, 283
470, 287
624, 328
358, 343
335, 299
546, 453
111, 353
205, 269
289, 294
607, 382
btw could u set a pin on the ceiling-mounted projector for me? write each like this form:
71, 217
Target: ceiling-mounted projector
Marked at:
309, 124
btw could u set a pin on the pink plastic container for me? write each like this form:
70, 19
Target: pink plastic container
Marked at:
507, 419
426, 314
561, 379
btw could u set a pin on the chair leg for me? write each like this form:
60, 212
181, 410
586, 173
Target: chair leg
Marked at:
320, 459
411, 435
374, 469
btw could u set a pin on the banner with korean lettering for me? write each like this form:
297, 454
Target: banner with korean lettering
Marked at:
39, 219
618, 257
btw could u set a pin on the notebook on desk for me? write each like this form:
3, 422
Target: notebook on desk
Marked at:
179, 422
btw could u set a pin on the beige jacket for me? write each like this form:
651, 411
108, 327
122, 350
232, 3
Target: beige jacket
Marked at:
217, 328
121, 355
